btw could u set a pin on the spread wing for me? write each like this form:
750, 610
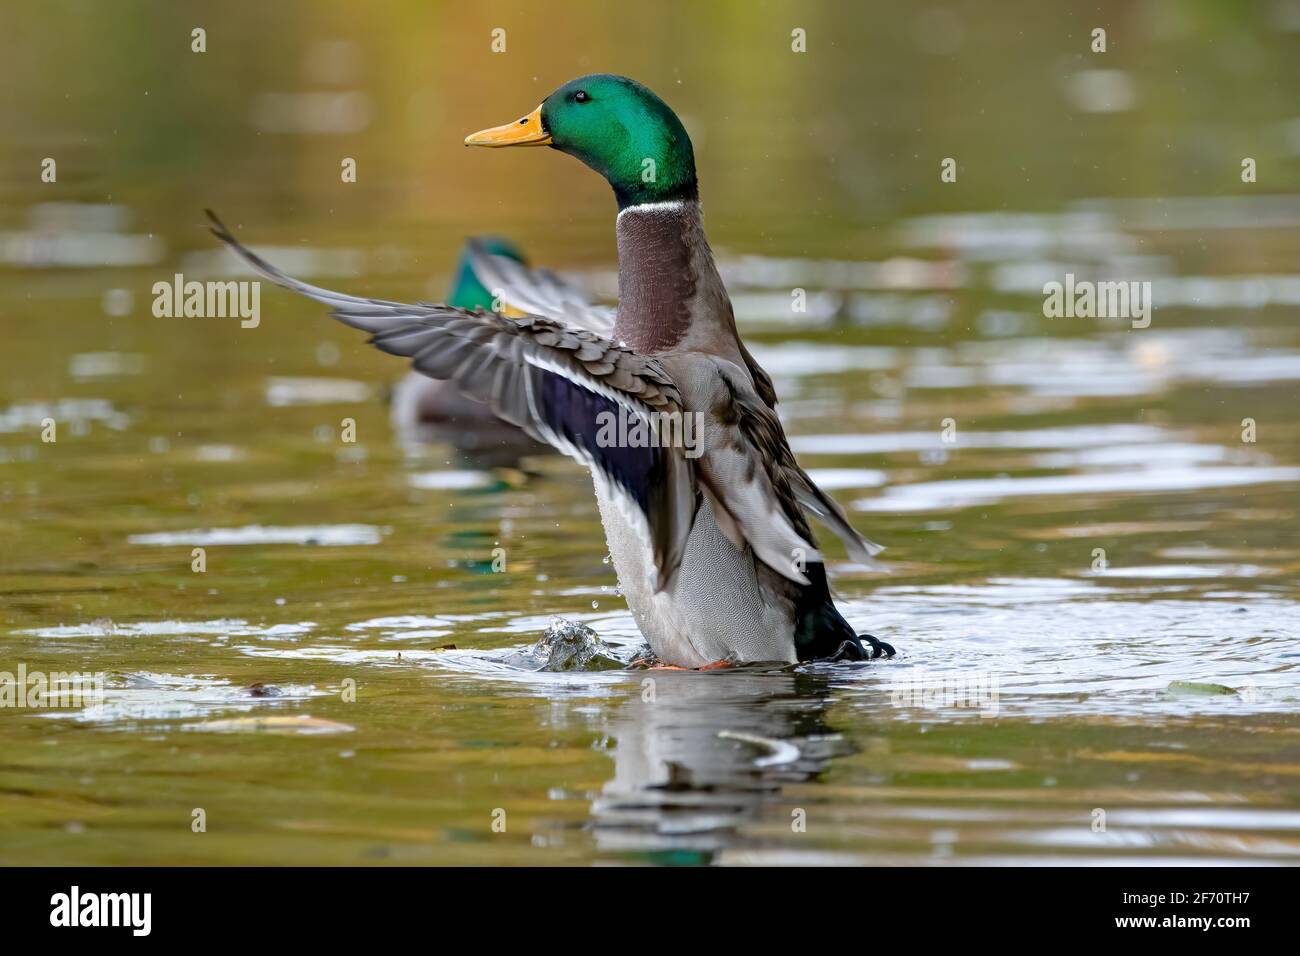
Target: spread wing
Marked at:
562, 386
827, 510
763, 459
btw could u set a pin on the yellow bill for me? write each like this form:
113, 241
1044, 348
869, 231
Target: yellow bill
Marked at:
525, 132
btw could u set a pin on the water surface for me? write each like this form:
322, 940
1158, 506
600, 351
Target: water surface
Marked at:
1092, 576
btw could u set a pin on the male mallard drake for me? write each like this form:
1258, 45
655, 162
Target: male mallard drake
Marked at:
428, 409
710, 540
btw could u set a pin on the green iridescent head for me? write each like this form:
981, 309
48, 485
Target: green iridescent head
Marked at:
617, 127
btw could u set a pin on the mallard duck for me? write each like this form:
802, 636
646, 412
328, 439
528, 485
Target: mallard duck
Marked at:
710, 538
431, 410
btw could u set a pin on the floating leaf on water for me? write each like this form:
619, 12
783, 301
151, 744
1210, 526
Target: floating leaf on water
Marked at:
1187, 688
275, 724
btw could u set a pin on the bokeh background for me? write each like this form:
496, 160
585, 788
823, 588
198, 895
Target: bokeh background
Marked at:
1159, 685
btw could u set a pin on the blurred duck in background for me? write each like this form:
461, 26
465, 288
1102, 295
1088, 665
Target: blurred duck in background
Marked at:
427, 411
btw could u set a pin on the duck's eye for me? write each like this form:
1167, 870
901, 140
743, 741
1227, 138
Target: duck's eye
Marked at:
581, 96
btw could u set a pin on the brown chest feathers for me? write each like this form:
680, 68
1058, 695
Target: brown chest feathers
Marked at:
658, 275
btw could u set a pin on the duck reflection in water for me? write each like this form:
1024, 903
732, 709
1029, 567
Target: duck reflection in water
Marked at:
702, 758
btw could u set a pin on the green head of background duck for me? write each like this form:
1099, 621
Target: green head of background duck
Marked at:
467, 288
